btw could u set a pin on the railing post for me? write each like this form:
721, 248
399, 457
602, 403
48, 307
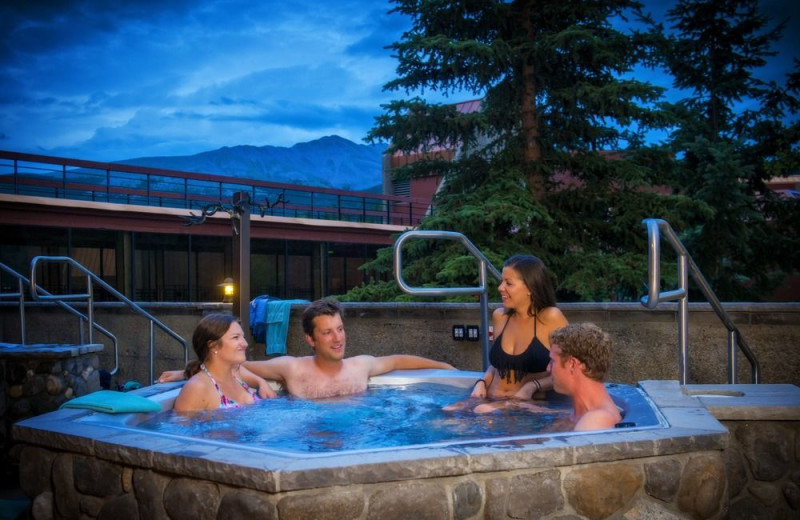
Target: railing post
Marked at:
21, 310
152, 351
683, 321
90, 310
732, 362
484, 305
241, 261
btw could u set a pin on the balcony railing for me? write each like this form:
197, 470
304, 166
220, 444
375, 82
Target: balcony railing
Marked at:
46, 176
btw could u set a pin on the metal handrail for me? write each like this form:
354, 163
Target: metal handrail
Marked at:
20, 295
686, 267
37, 294
23, 281
482, 289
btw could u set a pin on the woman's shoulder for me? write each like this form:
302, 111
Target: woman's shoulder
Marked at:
197, 393
197, 382
499, 317
553, 316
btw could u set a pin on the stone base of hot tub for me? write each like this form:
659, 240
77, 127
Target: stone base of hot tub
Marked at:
36, 379
679, 486
71, 471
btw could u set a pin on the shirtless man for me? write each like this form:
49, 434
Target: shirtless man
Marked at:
326, 373
579, 358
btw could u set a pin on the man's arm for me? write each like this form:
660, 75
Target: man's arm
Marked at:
383, 364
168, 376
275, 369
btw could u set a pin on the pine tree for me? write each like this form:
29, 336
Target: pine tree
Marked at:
735, 133
558, 97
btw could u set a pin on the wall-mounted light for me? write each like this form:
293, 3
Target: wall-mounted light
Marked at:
228, 289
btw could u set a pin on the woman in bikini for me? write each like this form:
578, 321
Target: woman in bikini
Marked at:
214, 378
521, 350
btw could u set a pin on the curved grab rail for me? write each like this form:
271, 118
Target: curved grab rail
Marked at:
19, 296
482, 289
23, 281
687, 266
38, 294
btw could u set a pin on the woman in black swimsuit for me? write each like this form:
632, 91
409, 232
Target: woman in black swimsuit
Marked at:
521, 350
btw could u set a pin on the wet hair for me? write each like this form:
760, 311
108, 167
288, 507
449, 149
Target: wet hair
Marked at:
326, 307
537, 279
209, 330
587, 343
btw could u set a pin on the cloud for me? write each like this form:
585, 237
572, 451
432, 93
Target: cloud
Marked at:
91, 77
112, 80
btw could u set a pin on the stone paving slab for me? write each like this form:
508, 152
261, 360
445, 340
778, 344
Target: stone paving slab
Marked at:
47, 350
748, 402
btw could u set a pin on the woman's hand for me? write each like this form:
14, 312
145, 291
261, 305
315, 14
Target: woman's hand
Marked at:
527, 390
265, 390
479, 390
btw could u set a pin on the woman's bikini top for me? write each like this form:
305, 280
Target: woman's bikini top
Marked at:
224, 402
534, 359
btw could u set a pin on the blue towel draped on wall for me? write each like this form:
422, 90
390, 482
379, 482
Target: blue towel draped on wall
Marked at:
269, 322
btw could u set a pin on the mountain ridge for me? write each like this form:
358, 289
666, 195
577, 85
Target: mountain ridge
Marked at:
330, 162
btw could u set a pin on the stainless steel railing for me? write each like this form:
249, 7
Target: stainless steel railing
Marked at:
656, 228
482, 289
19, 295
23, 281
39, 293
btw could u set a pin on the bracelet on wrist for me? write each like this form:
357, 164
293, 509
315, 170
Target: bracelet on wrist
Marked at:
480, 380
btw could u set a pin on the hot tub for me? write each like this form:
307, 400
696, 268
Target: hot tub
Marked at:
401, 411
665, 434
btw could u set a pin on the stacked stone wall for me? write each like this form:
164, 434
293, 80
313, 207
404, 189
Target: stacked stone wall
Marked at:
692, 485
763, 463
36, 379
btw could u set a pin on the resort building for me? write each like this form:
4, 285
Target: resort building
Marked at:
163, 235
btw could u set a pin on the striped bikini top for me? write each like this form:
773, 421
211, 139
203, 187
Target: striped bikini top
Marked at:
224, 401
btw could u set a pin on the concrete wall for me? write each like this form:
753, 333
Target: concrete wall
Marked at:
646, 342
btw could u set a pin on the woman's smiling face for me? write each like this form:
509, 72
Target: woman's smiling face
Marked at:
232, 346
513, 291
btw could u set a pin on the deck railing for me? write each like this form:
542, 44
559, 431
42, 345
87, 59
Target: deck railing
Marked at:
46, 176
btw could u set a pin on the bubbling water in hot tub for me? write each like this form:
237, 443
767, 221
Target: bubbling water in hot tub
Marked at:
386, 416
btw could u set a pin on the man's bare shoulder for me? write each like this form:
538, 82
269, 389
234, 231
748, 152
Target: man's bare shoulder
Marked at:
598, 419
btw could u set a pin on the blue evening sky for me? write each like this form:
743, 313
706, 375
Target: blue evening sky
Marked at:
107, 80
